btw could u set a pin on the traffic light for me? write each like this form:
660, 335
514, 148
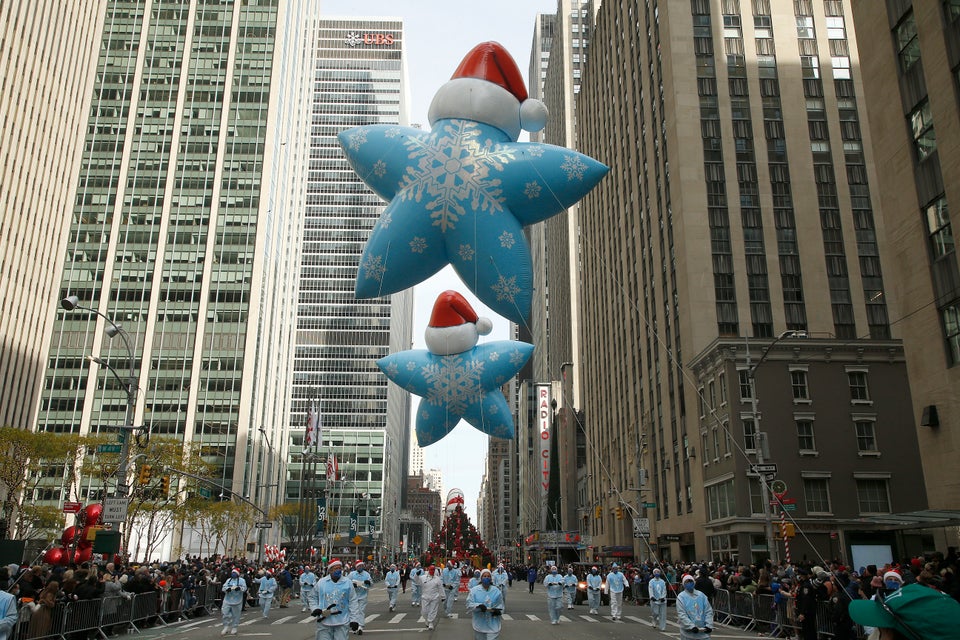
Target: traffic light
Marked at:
146, 471
165, 485
401, 545
619, 513
598, 512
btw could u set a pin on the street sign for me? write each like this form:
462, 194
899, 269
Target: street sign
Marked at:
763, 468
108, 448
769, 477
789, 501
264, 525
641, 527
114, 509
789, 507
649, 505
72, 507
205, 493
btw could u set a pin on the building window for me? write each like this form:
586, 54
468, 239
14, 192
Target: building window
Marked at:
749, 435
746, 385
866, 436
703, 410
798, 380
727, 440
921, 125
908, 45
713, 394
938, 228
723, 548
951, 329
952, 9
805, 438
816, 494
716, 444
721, 501
873, 495
705, 445
859, 392
756, 497
722, 383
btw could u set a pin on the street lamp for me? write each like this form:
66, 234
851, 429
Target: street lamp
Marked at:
70, 303
772, 549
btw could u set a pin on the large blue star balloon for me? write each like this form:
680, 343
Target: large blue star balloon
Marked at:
461, 194
459, 386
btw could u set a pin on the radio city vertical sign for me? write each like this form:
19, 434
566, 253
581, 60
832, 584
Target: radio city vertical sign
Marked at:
544, 417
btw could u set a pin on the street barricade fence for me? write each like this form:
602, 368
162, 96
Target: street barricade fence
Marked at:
105, 616
773, 617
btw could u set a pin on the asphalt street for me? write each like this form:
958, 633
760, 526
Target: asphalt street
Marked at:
525, 617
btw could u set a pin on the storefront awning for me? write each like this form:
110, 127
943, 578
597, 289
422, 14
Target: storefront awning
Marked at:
926, 519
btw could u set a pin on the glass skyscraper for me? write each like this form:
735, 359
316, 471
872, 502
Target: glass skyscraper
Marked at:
359, 79
184, 217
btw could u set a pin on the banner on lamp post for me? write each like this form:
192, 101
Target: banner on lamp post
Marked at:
321, 514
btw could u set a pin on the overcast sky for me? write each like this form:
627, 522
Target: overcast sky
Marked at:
437, 34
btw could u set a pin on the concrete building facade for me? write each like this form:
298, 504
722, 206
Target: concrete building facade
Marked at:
911, 51
739, 207
48, 54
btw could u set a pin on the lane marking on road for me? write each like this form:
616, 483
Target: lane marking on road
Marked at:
640, 620
195, 623
397, 618
306, 620
589, 619
533, 617
565, 619
246, 622
283, 619
372, 616
507, 617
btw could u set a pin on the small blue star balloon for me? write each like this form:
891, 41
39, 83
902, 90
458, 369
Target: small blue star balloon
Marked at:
459, 386
461, 193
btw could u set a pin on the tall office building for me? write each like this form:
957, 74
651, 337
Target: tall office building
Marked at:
359, 79
185, 212
731, 262
47, 57
912, 50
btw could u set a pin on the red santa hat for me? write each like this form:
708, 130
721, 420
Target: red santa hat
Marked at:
454, 325
487, 87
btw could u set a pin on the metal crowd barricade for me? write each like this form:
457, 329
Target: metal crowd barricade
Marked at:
775, 618
82, 615
721, 606
742, 610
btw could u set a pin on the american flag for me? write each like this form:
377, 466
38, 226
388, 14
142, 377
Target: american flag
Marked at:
332, 468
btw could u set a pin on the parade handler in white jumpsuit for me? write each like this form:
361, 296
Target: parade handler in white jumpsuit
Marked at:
570, 587
266, 590
431, 594
361, 583
694, 613
616, 582
234, 590
658, 600
308, 580
485, 602
451, 582
334, 604
554, 584
392, 580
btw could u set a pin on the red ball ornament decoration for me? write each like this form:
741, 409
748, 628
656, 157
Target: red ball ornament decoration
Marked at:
55, 556
92, 513
68, 536
83, 554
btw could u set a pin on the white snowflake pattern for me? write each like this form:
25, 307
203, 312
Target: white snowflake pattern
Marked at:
356, 138
494, 410
532, 190
425, 414
453, 171
507, 240
385, 220
380, 168
392, 370
516, 358
466, 252
494, 356
374, 268
574, 167
393, 132
352, 39
535, 150
411, 365
418, 245
454, 383
506, 289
